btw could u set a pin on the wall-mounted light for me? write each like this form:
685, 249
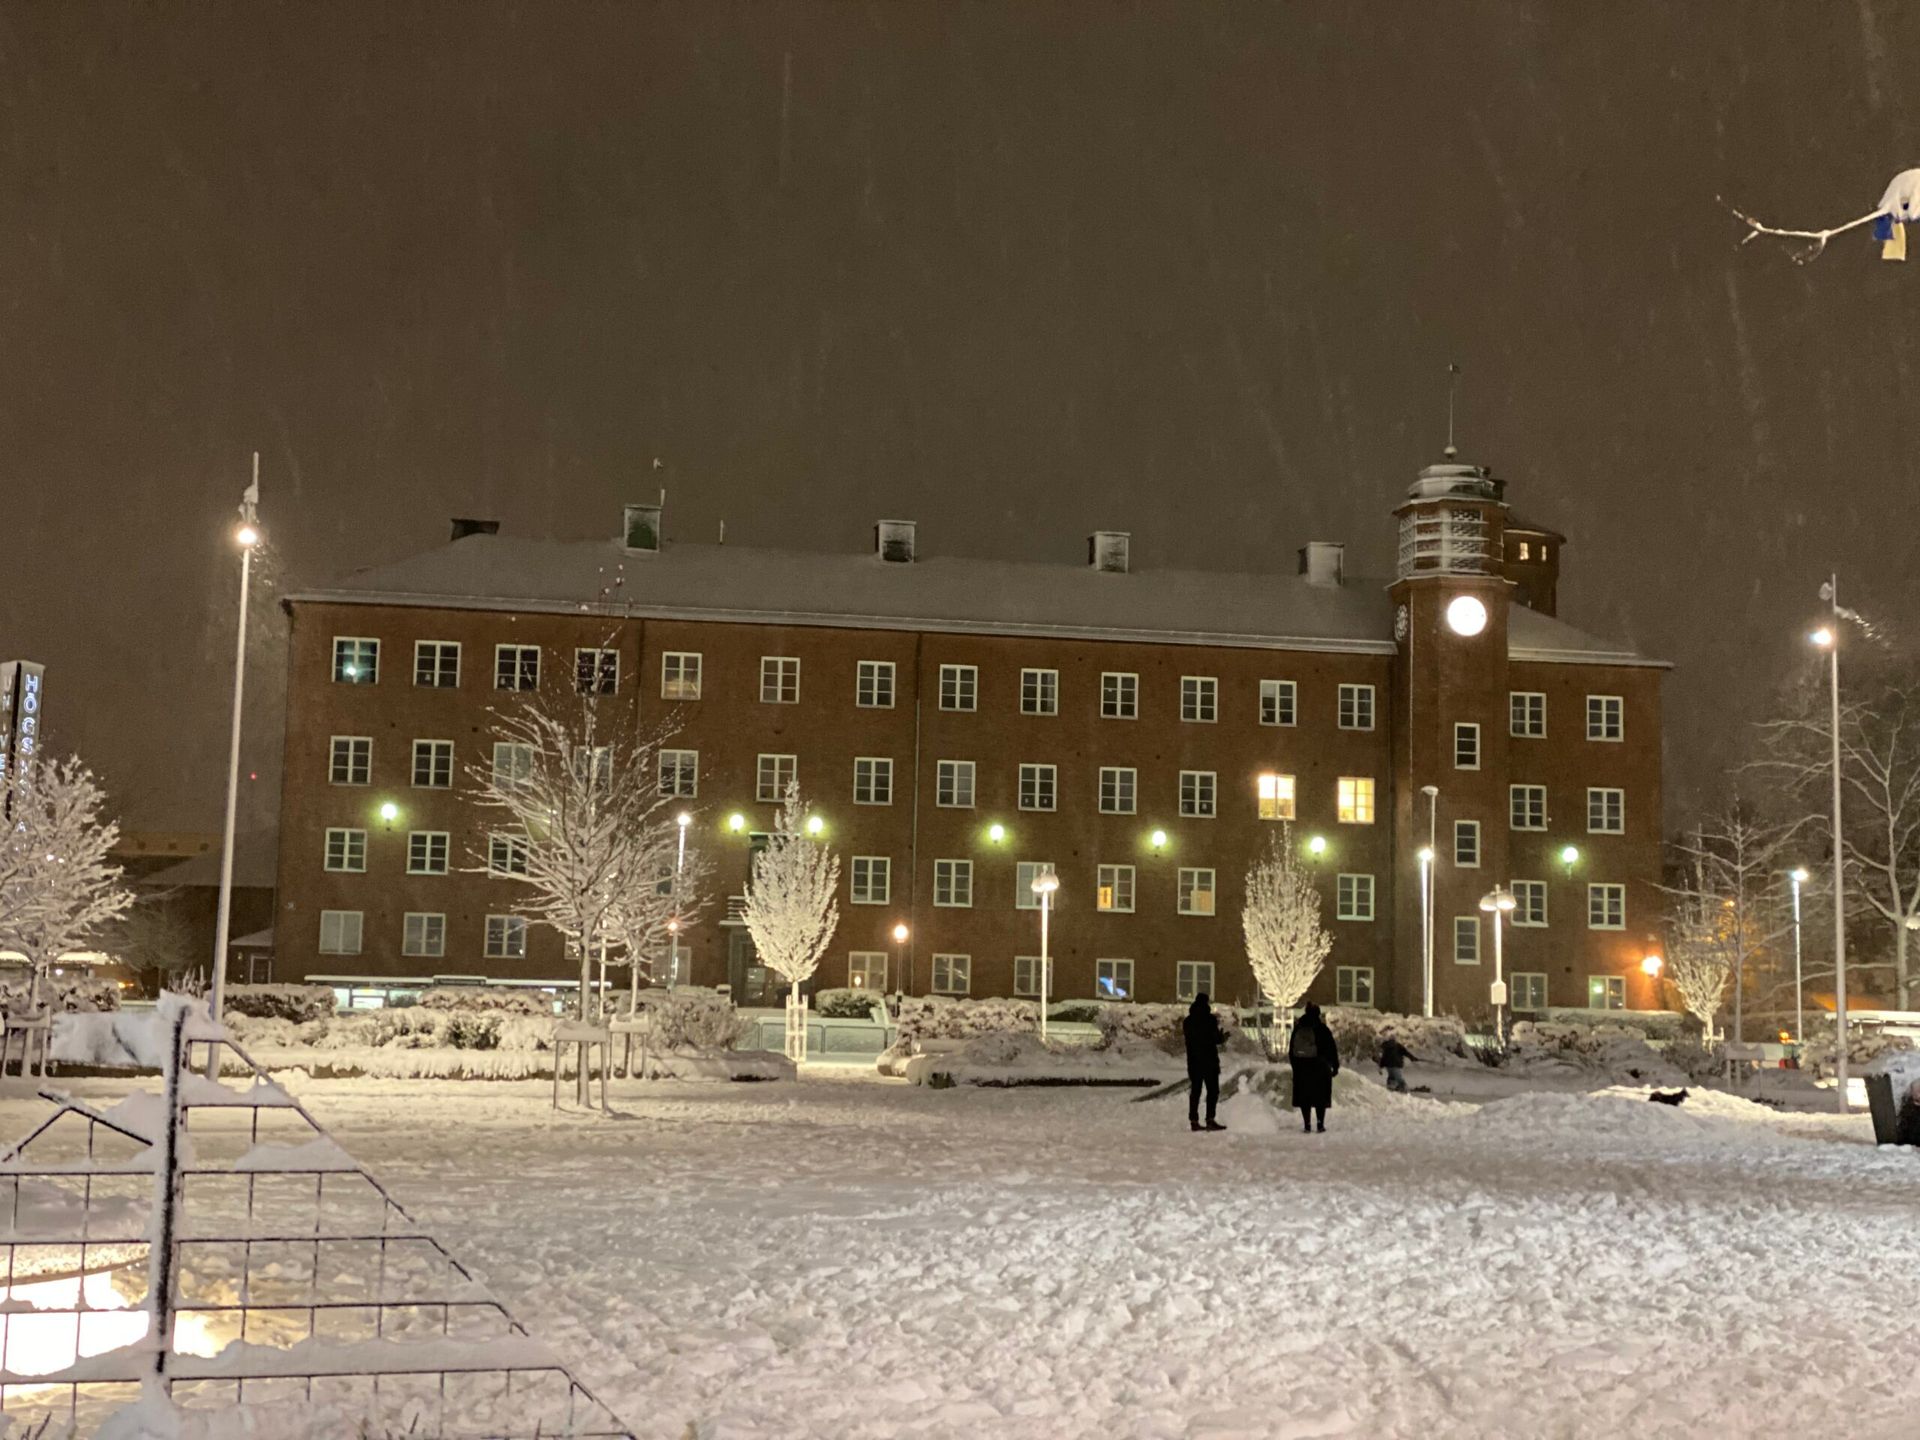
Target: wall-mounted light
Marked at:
1466, 615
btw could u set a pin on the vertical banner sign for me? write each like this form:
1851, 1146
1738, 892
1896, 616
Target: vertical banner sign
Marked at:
21, 693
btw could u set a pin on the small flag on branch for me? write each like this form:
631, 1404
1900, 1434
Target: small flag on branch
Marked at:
1899, 207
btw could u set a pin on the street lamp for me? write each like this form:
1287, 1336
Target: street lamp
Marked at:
247, 536
900, 933
1158, 839
1317, 846
1651, 966
1569, 856
815, 825
736, 822
1428, 874
1798, 875
1827, 638
389, 812
1498, 902
996, 832
1044, 884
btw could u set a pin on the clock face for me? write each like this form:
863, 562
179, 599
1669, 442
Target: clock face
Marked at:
1400, 623
1466, 615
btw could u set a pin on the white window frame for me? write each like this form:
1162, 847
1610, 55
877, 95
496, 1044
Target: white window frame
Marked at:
1466, 743
1612, 990
506, 846
953, 884
867, 970
510, 661
952, 974
1469, 831
1605, 898
960, 688
1029, 967
679, 680
433, 752
1199, 699
776, 671
1280, 700
1119, 790
1114, 884
595, 680
1039, 781
953, 784
873, 780
1353, 896
1024, 872
432, 927
359, 760
513, 772
1107, 981
1353, 986
1609, 708
1461, 930
1608, 805
342, 658
1190, 887
349, 932
870, 880
873, 685
1039, 692
1354, 800
1199, 794
344, 845
426, 852
1119, 695
1276, 796
1356, 707
1526, 807
1521, 988
1527, 714
1527, 915
770, 781
437, 649
1191, 978
679, 773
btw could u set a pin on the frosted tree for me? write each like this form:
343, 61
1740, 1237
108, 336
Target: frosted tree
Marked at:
1899, 207
1730, 861
791, 906
657, 900
1286, 943
58, 886
1700, 951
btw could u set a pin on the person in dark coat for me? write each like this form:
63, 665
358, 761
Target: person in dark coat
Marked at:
1393, 1061
1204, 1038
1315, 1060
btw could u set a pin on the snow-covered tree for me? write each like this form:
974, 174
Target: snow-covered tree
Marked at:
791, 906
1700, 949
1286, 943
58, 885
1730, 862
658, 900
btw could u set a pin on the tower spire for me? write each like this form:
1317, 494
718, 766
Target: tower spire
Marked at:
1453, 385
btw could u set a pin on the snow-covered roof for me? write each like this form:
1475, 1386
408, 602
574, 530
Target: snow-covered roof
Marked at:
952, 594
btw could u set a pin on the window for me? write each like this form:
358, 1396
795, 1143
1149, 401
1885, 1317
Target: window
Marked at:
593, 764
779, 680
953, 784
512, 763
424, 935
1466, 844
506, 853
1039, 692
1527, 807
1355, 800
1023, 877
596, 672
953, 884
516, 667
1466, 939
350, 760
1197, 794
1038, 787
872, 879
355, 662
872, 780
1353, 985
1196, 892
1356, 707
772, 775
1118, 787
1026, 975
1119, 696
680, 772
427, 852
1527, 714
952, 974
1278, 702
506, 937
1466, 746
436, 664
1529, 902
347, 851
1275, 795
867, 970
433, 764
680, 675
1606, 811
1115, 894
1199, 699
873, 685
1606, 992
1191, 978
340, 932
1606, 907
1605, 720
1523, 551
1353, 897
1527, 990
959, 687
1113, 979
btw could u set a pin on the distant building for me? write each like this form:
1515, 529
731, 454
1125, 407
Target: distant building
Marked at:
961, 721
175, 876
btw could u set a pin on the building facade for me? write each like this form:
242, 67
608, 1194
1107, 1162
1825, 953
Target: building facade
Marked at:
959, 723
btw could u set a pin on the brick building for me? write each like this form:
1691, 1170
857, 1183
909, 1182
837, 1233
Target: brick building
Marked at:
960, 721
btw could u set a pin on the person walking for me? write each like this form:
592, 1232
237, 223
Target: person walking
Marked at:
1316, 1060
1204, 1038
1393, 1061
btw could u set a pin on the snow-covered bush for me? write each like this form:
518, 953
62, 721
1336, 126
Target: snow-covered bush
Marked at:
1160, 1025
505, 999
298, 1003
1358, 1034
76, 990
1618, 1051
939, 1017
690, 1018
845, 1004
1864, 1048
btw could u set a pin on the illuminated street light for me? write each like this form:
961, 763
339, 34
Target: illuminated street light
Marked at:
1158, 839
1569, 856
1317, 846
1498, 903
1827, 638
900, 933
815, 825
389, 812
736, 822
1651, 966
1044, 884
1799, 876
996, 832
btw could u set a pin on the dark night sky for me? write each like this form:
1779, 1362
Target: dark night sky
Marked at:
1016, 270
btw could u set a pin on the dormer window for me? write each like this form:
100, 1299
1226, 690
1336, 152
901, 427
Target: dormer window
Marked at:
1523, 551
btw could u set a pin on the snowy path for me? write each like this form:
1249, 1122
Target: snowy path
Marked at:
853, 1259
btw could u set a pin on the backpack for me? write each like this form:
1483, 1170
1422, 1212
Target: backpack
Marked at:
1305, 1044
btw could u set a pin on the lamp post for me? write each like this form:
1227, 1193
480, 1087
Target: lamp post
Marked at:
900, 933
1827, 637
1798, 875
1427, 876
1044, 884
1498, 902
247, 535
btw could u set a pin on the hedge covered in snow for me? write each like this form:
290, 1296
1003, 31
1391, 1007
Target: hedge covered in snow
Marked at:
298, 1003
77, 990
501, 999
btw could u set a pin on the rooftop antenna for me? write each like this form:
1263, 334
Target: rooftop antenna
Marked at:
1453, 385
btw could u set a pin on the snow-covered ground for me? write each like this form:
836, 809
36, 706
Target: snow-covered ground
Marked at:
849, 1257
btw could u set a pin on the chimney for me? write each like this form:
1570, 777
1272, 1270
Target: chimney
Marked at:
463, 527
1107, 551
893, 541
1323, 562
643, 528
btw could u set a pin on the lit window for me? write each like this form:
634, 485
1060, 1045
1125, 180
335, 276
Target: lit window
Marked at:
1037, 787
1113, 979
1024, 874
1529, 902
1199, 699
872, 879
1606, 992
1527, 991
953, 884
952, 974
680, 675
1606, 811
680, 773
1116, 889
953, 784
1606, 907
1355, 800
340, 932
506, 854
1039, 692
1466, 746
350, 760
867, 970
346, 851
423, 935
779, 680
1354, 897
1353, 985
873, 685
1119, 696
436, 664
596, 672
1466, 939
356, 661
432, 764
1527, 714
1605, 718
516, 667
1191, 978
1278, 702
1523, 551
427, 852
1466, 844
772, 775
872, 780
1196, 892
1198, 791
959, 687
1527, 807
1356, 707
1275, 793
1118, 787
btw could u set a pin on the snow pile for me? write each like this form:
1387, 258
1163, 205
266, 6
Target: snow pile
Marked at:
1007, 1058
1626, 1116
1435, 1040
1904, 1068
122, 1040
1620, 1053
